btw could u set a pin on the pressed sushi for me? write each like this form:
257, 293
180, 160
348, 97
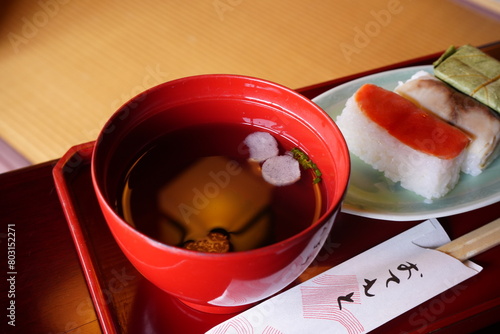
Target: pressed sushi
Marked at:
406, 143
472, 117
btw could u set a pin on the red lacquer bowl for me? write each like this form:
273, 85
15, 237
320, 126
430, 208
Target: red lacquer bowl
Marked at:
231, 282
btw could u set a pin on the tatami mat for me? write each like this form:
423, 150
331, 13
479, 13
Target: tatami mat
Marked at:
66, 65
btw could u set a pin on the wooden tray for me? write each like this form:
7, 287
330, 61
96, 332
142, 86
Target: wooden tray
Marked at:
126, 303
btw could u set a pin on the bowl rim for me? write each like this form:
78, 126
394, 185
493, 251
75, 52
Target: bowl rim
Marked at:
331, 209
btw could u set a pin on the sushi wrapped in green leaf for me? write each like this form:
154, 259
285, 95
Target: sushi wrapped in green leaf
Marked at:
472, 72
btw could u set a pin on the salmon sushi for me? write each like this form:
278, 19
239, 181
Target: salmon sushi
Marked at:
406, 143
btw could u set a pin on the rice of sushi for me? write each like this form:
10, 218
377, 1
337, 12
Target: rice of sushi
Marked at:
474, 118
424, 174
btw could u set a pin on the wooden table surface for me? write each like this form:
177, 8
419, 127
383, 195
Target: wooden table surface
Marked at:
50, 293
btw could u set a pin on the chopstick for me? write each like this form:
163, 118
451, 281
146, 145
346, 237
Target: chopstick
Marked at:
475, 242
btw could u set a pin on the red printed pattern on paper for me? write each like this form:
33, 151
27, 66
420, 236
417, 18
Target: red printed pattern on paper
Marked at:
328, 298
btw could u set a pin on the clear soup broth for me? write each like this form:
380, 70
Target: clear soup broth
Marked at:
199, 180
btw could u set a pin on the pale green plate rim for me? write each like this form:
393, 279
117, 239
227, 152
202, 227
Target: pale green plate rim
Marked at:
371, 195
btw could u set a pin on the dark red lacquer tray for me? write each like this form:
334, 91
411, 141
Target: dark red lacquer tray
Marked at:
126, 303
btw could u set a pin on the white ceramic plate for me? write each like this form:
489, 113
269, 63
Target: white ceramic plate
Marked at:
370, 194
